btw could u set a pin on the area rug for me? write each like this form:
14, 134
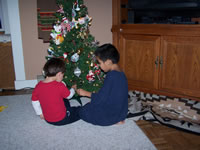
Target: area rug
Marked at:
21, 129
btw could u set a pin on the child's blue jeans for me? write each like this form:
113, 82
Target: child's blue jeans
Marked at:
72, 115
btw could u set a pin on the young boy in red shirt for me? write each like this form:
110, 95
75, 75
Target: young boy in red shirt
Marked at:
48, 97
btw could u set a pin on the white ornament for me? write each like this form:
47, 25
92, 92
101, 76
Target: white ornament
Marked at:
81, 20
77, 7
77, 72
75, 57
65, 55
56, 34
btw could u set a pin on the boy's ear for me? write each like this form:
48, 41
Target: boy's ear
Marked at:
108, 62
59, 73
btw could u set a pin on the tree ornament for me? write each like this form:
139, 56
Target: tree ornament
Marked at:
68, 27
81, 20
59, 39
74, 23
91, 64
96, 66
56, 34
77, 72
79, 52
90, 76
61, 9
50, 51
75, 57
97, 72
65, 24
65, 55
77, 7
73, 12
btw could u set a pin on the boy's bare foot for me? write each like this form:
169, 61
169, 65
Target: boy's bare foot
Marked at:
121, 122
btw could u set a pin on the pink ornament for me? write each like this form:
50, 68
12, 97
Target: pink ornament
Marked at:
68, 27
61, 9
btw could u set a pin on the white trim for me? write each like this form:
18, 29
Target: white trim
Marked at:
16, 38
21, 84
72, 92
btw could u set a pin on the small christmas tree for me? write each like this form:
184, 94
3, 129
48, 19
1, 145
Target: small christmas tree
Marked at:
72, 42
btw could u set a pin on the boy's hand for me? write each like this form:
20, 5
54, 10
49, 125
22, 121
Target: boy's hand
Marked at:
82, 92
42, 117
74, 87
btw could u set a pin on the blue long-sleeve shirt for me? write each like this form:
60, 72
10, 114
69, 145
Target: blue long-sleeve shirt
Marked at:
110, 104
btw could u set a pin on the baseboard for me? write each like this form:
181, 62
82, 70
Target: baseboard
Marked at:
21, 84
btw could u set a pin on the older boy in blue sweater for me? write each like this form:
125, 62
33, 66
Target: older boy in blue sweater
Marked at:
110, 104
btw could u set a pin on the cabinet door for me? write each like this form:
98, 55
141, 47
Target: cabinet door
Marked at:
7, 74
180, 72
138, 56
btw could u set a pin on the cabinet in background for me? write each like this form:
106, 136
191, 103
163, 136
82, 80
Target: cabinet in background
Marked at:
161, 63
7, 74
159, 58
180, 68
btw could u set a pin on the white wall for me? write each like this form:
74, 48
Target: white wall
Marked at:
101, 13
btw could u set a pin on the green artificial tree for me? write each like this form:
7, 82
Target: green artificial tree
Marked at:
72, 42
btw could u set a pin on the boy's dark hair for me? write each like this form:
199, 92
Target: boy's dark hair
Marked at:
53, 66
107, 51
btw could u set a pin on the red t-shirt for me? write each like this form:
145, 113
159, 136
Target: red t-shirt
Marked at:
50, 96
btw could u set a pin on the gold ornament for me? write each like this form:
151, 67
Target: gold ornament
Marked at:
78, 52
87, 62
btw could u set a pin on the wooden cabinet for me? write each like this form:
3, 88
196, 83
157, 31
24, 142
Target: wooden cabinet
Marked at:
7, 74
139, 53
159, 58
180, 70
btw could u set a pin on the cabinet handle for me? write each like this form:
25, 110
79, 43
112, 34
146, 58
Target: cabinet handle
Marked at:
156, 62
161, 61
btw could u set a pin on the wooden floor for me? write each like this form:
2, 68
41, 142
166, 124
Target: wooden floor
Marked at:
164, 138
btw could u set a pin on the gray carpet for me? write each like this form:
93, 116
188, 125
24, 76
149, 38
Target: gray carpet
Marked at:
21, 129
